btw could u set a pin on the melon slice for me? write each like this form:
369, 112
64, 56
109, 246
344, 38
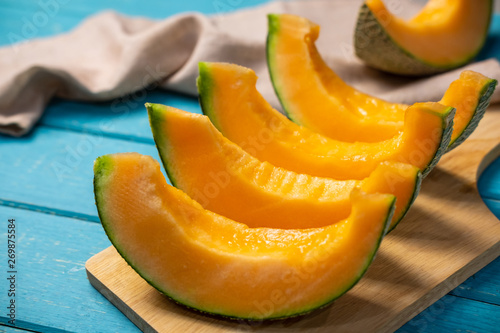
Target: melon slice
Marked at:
312, 94
225, 179
470, 95
213, 264
229, 97
446, 34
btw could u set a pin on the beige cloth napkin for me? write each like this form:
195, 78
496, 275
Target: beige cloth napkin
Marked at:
110, 55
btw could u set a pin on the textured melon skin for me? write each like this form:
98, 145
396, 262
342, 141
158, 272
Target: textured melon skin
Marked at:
416, 191
379, 50
482, 105
447, 120
104, 167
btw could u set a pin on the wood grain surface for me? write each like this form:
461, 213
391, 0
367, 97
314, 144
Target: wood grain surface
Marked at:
448, 235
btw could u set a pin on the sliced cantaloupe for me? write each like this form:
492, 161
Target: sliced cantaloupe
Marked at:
470, 95
445, 34
213, 264
312, 94
225, 179
229, 97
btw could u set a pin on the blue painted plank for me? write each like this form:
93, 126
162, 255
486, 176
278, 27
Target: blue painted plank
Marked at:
489, 182
17, 24
9, 329
122, 118
455, 314
482, 286
52, 170
52, 290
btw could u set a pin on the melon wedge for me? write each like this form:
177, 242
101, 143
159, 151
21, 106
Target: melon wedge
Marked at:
470, 95
215, 265
330, 107
229, 97
445, 34
225, 179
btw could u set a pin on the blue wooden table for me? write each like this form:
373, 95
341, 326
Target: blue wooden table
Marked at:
46, 187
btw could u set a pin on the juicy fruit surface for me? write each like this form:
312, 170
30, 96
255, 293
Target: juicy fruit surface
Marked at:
220, 266
229, 181
340, 111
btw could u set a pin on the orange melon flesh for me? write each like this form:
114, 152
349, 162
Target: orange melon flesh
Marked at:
444, 33
229, 97
329, 106
225, 179
216, 265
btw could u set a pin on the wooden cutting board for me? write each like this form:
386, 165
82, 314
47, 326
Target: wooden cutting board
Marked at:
448, 235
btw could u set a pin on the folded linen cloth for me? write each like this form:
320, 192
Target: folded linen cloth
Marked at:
109, 55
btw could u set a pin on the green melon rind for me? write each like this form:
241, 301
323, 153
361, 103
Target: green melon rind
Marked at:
416, 191
103, 169
272, 39
482, 105
447, 121
103, 166
156, 120
379, 50
205, 84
